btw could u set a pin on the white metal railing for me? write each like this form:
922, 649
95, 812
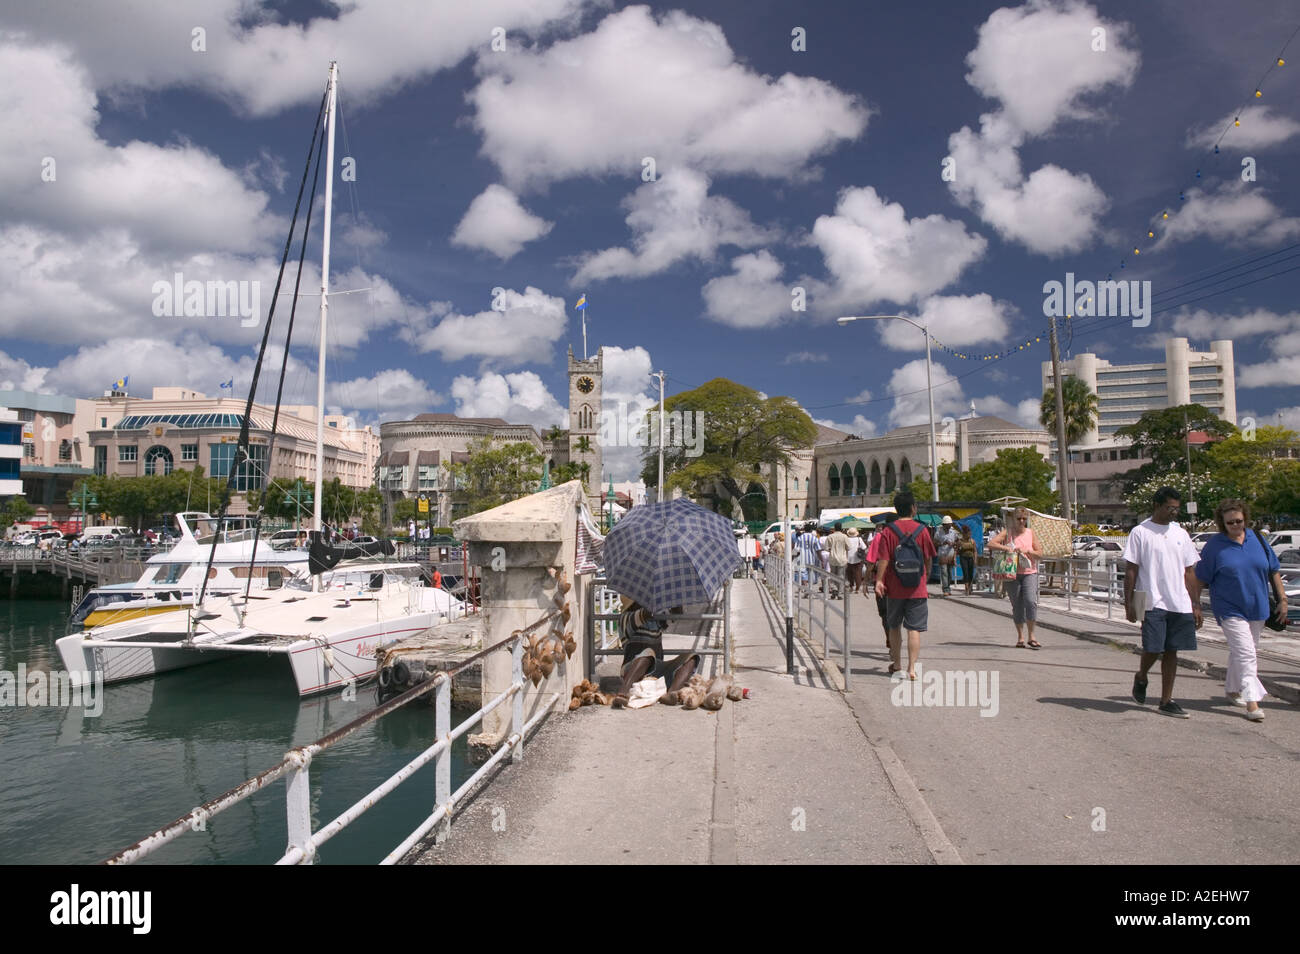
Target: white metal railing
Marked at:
814, 585
610, 609
296, 766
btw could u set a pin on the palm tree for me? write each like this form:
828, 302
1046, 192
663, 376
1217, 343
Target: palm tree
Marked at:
1080, 406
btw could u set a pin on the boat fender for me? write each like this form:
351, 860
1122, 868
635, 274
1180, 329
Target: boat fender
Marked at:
386, 678
329, 657
401, 673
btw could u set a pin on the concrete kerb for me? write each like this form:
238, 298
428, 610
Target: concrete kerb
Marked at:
1116, 641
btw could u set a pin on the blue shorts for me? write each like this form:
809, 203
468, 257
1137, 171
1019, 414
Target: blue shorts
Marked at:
1163, 631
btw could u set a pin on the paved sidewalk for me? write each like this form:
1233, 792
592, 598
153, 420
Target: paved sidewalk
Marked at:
787, 776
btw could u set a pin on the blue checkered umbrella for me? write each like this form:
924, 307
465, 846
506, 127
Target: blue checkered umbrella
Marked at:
670, 554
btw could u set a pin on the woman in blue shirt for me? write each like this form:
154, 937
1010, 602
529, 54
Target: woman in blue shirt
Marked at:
1238, 567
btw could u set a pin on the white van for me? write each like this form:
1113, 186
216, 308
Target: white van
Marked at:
1283, 540
91, 533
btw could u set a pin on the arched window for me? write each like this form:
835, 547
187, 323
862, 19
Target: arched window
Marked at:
889, 477
796, 510
158, 460
904, 475
875, 476
859, 478
584, 418
834, 478
846, 478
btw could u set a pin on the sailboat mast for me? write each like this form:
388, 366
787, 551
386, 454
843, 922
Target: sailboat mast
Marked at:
324, 293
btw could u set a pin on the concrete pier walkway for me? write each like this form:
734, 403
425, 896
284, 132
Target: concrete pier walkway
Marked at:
1069, 769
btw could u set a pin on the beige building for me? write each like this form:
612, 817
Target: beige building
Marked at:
868, 472
1126, 391
178, 428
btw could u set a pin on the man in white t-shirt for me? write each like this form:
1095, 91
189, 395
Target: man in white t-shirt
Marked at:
1159, 561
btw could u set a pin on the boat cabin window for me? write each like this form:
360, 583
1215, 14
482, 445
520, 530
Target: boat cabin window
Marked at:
169, 572
376, 581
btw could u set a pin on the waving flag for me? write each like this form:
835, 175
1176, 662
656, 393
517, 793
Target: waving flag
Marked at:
228, 384
582, 303
120, 383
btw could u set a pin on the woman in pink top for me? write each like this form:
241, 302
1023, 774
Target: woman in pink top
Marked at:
1023, 590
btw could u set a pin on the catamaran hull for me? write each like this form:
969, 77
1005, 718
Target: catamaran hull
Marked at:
351, 658
127, 663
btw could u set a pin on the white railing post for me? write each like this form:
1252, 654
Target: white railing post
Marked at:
847, 603
298, 804
517, 703
442, 765
726, 628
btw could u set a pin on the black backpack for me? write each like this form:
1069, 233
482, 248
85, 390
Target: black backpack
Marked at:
908, 560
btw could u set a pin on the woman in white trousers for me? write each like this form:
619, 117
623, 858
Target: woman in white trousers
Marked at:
1238, 565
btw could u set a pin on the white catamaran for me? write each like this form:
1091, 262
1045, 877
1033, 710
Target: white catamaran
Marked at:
328, 634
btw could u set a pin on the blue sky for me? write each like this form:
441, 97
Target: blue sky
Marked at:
524, 169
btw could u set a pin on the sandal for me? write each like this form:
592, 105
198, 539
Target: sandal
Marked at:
1020, 645
1035, 644
893, 668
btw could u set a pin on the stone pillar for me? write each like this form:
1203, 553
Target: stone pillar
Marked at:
518, 546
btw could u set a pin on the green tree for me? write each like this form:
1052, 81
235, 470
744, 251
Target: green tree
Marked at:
1162, 435
1080, 405
1280, 493
1015, 472
1244, 467
17, 510
734, 433
1207, 490
574, 470
493, 476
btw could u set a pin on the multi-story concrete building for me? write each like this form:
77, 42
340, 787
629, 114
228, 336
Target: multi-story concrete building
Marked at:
178, 427
11, 453
55, 446
1126, 391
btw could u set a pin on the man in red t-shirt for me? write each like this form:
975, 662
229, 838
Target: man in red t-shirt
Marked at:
904, 606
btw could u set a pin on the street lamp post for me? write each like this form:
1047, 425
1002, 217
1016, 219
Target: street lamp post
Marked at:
929, 387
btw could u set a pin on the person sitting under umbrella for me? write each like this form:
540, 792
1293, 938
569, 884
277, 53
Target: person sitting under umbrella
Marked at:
643, 653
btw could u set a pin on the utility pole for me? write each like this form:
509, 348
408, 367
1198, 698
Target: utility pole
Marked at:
660, 376
1062, 451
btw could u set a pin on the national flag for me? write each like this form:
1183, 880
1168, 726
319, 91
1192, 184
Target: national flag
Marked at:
582, 303
228, 384
120, 383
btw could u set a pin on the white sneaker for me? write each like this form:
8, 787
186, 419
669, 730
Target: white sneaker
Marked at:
1235, 699
1255, 715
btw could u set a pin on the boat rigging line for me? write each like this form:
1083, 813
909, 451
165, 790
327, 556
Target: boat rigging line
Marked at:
241, 451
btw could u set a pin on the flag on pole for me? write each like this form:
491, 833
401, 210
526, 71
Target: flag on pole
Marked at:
582, 303
121, 383
228, 384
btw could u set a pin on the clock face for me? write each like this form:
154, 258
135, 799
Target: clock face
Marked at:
585, 385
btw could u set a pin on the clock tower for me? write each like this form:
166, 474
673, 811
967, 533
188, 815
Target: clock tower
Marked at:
585, 387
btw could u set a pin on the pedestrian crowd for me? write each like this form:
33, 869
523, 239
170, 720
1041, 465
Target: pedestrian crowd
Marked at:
1164, 577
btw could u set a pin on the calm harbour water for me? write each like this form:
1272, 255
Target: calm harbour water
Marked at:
75, 789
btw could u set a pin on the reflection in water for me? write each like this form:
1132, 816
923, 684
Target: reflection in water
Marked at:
74, 789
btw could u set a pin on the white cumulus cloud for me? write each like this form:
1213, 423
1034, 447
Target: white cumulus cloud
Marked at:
672, 219
1259, 129
752, 296
496, 222
523, 330
876, 254
519, 398
666, 87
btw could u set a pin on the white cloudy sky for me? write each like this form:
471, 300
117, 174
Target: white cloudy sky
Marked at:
684, 165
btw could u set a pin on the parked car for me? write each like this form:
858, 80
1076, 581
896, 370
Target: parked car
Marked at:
1199, 540
1084, 539
1289, 557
